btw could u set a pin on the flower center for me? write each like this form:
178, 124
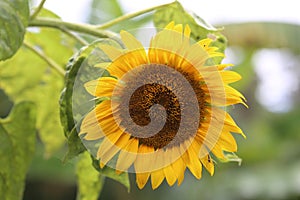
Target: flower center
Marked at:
159, 105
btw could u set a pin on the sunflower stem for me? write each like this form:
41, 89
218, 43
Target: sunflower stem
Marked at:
76, 27
93, 30
49, 61
38, 9
130, 15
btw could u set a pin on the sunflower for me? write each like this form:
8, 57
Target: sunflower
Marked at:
162, 109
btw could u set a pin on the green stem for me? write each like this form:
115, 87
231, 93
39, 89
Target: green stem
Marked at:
80, 28
131, 15
38, 9
49, 61
93, 30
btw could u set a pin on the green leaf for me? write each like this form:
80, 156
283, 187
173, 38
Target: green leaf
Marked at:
200, 29
13, 22
75, 145
17, 133
76, 103
122, 178
90, 181
27, 77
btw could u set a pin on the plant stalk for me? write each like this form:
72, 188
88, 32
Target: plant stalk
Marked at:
49, 61
37, 10
61, 25
131, 15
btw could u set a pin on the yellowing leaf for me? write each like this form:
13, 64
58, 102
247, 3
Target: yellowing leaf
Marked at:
27, 77
17, 133
89, 180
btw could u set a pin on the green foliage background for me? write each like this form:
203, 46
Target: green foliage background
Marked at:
36, 148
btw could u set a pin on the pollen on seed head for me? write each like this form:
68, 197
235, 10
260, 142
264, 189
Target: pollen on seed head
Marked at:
177, 92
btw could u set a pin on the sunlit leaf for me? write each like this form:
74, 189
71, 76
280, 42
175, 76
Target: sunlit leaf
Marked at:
90, 181
13, 22
27, 77
199, 27
17, 133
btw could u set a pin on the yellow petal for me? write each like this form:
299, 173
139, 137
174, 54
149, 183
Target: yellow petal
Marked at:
170, 175
109, 126
106, 119
217, 151
117, 70
170, 25
207, 162
179, 168
226, 95
230, 91
187, 31
94, 134
109, 142
127, 62
158, 160
103, 109
168, 41
178, 164
229, 123
190, 157
159, 56
233, 96
178, 28
130, 41
212, 51
102, 87
91, 86
196, 55
205, 42
90, 126
228, 142
112, 52
127, 155
230, 76
141, 179
144, 159
194, 164
157, 178
113, 149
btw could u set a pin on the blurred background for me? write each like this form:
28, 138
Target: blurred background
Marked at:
264, 46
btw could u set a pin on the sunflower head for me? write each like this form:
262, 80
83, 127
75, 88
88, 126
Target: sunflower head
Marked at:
162, 108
